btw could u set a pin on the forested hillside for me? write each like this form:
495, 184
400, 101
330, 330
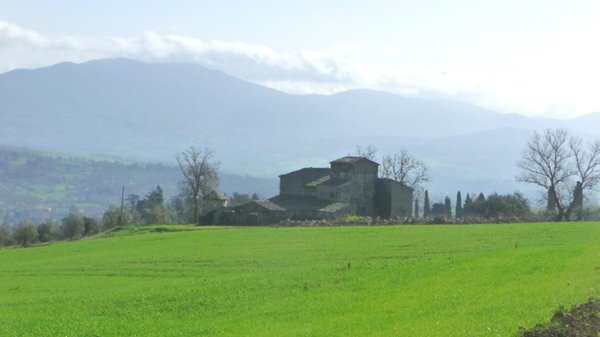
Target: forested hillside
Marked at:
36, 185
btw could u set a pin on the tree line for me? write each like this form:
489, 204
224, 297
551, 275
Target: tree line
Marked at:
199, 181
566, 168
72, 227
496, 205
149, 210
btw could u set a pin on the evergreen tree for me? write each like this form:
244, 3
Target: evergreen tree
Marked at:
459, 209
132, 201
478, 207
155, 198
497, 205
426, 209
437, 209
416, 207
448, 207
150, 208
467, 209
152, 200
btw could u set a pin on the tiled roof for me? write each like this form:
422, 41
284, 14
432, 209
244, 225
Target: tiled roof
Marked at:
306, 203
336, 182
299, 202
318, 181
352, 159
334, 207
309, 170
392, 181
268, 205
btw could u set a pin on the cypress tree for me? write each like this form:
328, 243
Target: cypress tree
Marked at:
459, 209
426, 209
448, 207
478, 206
416, 207
468, 205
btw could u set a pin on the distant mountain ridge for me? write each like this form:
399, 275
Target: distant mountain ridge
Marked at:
150, 112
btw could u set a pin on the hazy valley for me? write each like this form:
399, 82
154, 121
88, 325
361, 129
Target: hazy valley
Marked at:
135, 112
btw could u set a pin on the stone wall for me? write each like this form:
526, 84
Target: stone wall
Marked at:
392, 199
402, 201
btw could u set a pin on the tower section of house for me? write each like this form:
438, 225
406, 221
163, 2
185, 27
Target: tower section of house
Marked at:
355, 178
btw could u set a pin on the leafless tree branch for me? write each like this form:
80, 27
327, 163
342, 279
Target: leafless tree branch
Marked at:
369, 152
554, 160
405, 169
200, 175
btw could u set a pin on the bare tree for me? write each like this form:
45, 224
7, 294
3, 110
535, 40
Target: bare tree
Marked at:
200, 176
369, 152
564, 166
405, 169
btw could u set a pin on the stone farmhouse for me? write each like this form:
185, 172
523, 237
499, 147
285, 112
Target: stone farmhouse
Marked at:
349, 186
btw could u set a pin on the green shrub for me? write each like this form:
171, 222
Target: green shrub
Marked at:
25, 234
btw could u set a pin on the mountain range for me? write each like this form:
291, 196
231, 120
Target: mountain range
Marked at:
150, 112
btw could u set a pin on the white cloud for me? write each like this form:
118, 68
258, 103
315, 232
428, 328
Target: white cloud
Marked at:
556, 78
29, 49
10, 33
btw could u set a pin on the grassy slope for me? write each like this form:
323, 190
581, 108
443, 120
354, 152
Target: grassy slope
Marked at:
402, 281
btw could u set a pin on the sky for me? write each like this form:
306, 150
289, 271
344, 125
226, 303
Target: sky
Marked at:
537, 58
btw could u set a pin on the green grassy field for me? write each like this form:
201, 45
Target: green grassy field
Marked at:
476, 280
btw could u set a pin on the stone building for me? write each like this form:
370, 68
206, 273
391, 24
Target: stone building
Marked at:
214, 200
349, 186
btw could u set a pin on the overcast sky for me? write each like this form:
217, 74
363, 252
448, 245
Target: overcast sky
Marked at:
539, 58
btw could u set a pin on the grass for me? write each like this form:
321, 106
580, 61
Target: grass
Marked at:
476, 280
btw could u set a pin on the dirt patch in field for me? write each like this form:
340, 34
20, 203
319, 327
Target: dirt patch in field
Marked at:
580, 321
